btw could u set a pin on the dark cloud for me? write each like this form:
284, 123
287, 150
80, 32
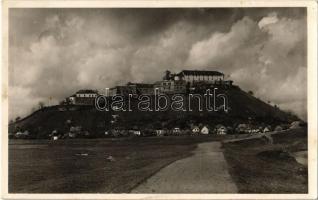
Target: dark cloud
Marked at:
54, 52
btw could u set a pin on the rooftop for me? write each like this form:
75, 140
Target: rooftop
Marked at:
87, 91
200, 73
141, 85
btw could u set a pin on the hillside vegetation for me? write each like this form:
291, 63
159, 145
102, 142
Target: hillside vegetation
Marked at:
258, 166
243, 107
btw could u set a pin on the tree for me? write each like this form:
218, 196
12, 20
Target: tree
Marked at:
17, 118
250, 92
167, 75
41, 104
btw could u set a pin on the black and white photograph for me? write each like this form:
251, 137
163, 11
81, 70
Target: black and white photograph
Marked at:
159, 100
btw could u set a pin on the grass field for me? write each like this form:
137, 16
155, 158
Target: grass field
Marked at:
81, 165
260, 167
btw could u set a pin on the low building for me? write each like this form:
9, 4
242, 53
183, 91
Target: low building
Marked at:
142, 88
121, 90
193, 76
74, 131
71, 135
242, 128
221, 130
23, 134
171, 86
55, 134
176, 131
132, 88
295, 124
253, 131
72, 99
135, 132
195, 130
86, 93
205, 130
278, 128
83, 97
160, 132
115, 132
266, 129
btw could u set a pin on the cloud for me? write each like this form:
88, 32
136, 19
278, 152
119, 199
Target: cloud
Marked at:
225, 46
270, 19
167, 52
55, 52
266, 56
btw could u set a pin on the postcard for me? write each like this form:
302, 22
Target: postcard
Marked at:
159, 100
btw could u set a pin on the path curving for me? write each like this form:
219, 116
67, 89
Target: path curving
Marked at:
204, 172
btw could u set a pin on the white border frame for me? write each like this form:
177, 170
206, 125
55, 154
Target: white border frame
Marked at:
311, 90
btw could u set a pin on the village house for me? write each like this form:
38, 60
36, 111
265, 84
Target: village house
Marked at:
278, 128
196, 130
253, 131
205, 130
135, 132
176, 131
242, 128
71, 135
124, 132
119, 131
295, 124
74, 131
160, 132
221, 130
266, 129
22, 134
55, 135
115, 132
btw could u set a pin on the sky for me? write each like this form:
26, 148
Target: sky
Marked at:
54, 52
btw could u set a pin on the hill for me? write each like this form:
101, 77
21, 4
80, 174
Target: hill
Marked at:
243, 108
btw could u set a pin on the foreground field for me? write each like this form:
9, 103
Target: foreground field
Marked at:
85, 166
119, 165
258, 166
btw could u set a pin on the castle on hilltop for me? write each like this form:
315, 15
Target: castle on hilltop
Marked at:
183, 82
179, 83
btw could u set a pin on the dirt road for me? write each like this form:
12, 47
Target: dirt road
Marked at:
204, 172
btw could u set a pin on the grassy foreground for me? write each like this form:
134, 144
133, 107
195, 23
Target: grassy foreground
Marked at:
81, 165
260, 167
